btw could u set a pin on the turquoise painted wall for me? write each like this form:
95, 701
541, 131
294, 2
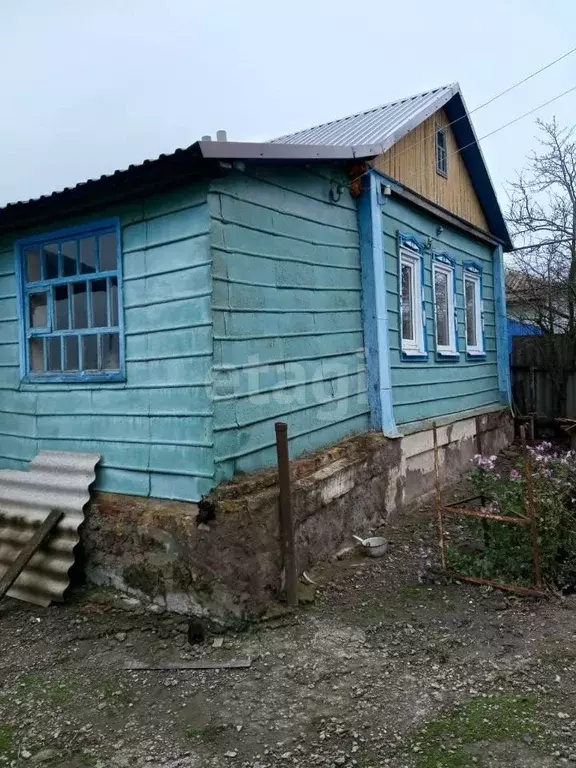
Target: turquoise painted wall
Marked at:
154, 431
424, 390
288, 341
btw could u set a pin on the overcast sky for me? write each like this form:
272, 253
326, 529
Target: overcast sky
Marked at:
89, 86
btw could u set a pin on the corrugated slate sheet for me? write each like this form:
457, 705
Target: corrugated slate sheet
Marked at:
383, 125
54, 480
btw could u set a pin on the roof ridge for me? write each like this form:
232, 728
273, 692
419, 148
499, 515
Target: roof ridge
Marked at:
363, 112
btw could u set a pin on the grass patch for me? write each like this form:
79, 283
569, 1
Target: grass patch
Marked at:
61, 693
446, 742
6, 739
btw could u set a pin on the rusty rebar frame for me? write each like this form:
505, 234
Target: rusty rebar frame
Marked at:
454, 508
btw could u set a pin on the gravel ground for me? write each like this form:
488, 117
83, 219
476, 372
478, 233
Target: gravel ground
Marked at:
389, 667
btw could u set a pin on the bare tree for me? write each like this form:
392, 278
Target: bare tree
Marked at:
541, 284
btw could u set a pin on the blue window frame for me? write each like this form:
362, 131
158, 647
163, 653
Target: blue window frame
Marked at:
71, 314
444, 297
413, 337
441, 151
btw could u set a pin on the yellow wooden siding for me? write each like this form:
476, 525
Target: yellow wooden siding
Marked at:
412, 161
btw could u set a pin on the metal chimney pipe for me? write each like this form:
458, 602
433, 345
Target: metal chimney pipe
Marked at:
221, 136
206, 138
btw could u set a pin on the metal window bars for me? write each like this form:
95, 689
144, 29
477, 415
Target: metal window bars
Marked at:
456, 509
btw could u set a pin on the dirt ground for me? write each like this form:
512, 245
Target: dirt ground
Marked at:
388, 667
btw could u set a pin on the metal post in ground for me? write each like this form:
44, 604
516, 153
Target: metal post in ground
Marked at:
439, 509
285, 509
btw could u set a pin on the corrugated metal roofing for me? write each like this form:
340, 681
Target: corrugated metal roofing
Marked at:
383, 125
54, 480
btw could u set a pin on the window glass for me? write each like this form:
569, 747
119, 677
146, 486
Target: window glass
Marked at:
61, 313
79, 305
36, 352
54, 347
407, 303
39, 310
69, 258
33, 265
110, 351
441, 151
71, 321
107, 251
98, 298
471, 313
71, 356
50, 253
90, 352
442, 311
88, 255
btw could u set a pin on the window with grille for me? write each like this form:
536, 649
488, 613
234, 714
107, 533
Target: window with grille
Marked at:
441, 151
444, 317
71, 307
473, 305
411, 310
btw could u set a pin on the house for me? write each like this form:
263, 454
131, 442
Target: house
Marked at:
343, 279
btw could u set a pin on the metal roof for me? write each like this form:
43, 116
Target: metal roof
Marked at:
381, 126
357, 137
54, 480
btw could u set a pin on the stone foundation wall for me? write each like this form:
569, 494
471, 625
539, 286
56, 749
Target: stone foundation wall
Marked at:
222, 556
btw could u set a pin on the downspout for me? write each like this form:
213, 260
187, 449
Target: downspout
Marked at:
374, 309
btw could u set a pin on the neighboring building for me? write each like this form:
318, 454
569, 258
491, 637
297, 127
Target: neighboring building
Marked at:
536, 303
342, 279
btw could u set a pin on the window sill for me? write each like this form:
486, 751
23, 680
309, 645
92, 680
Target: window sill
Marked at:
414, 354
451, 354
97, 378
472, 355
442, 173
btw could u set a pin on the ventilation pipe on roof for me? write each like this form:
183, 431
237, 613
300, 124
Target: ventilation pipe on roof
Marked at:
221, 136
206, 138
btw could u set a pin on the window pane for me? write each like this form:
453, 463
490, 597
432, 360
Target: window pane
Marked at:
407, 315
33, 269
99, 307
61, 317
471, 331
54, 354
90, 353
442, 319
80, 308
110, 352
113, 302
69, 254
36, 351
107, 251
71, 362
88, 255
39, 310
50, 262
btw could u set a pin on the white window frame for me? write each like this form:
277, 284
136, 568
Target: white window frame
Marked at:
448, 270
476, 279
416, 345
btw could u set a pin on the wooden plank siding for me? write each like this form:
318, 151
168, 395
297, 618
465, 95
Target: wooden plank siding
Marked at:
412, 162
154, 431
424, 390
287, 306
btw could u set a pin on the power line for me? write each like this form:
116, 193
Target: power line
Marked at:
491, 133
492, 99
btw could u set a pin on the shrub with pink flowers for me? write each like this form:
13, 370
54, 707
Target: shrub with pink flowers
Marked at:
505, 552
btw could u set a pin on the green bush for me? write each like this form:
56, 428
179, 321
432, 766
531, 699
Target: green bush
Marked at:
506, 551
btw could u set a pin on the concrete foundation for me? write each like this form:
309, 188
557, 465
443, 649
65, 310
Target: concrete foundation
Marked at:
222, 557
